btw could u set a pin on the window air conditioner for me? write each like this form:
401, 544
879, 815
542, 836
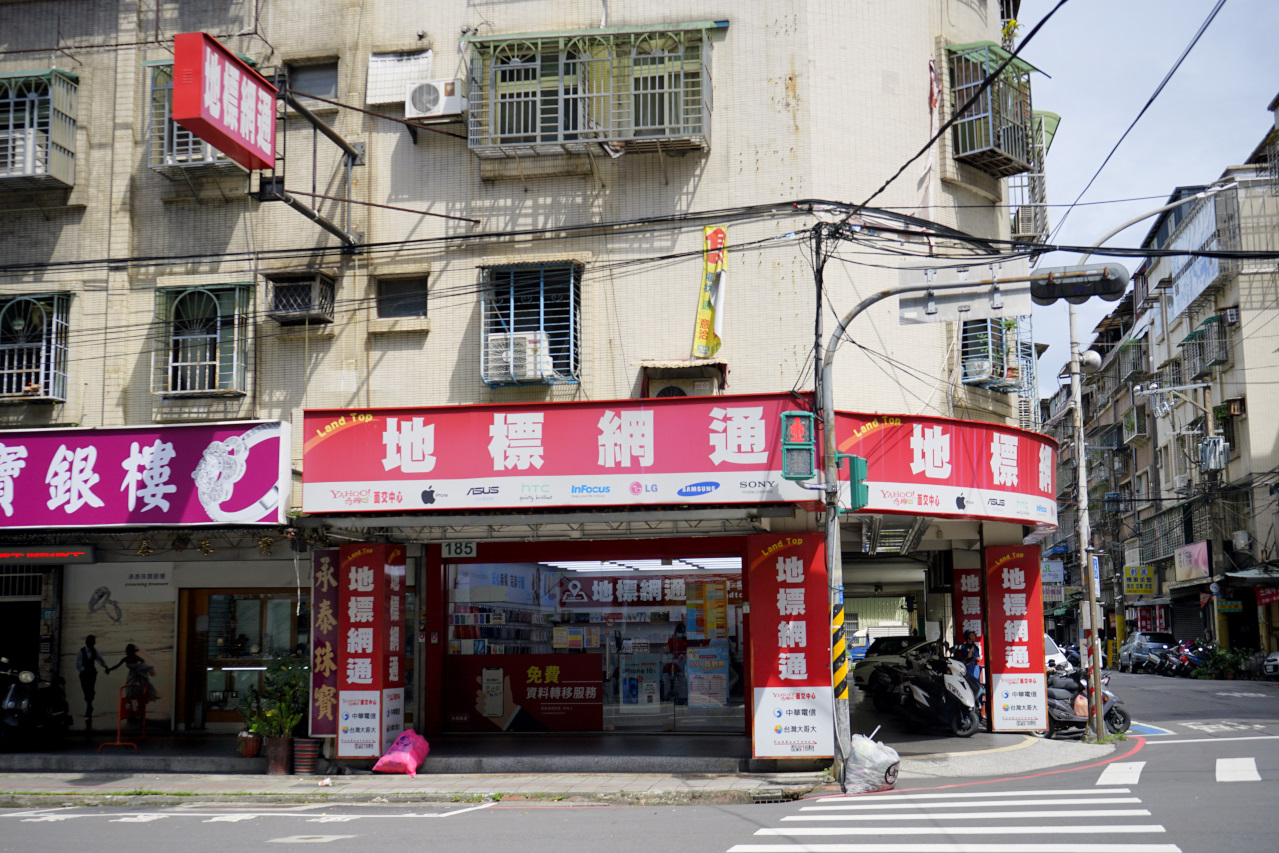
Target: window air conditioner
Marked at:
1181, 484
435, 98
701, 387
301, 299
517, 357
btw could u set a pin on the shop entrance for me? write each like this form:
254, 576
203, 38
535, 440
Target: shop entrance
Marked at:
624, 644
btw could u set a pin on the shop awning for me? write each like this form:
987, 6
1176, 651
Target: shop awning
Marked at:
1264, 574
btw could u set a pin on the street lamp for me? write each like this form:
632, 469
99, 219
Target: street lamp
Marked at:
1092, 635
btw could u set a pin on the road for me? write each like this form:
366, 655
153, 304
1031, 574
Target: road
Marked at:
1202, 775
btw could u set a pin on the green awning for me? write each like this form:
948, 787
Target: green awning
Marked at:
635, 30
1050, 122
39, 75
1215, 318
998, 53
1193, 336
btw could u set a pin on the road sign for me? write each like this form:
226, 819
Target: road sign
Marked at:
1139, 580
1009, 298
1226, 605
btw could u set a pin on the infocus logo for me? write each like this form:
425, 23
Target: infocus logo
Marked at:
590, 490
692, 490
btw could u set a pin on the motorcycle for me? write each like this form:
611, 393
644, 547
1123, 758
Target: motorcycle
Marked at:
939, 694
1068, 705
33, 712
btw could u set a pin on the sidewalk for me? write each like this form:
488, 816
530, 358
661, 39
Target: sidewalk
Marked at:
1013, 755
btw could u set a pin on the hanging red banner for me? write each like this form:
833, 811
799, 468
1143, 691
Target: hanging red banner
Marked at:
1015, 641
221, 99
370, 660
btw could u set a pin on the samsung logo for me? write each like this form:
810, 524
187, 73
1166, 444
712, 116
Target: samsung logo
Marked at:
692, 490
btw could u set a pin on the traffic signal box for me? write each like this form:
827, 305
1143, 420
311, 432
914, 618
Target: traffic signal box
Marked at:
799, 456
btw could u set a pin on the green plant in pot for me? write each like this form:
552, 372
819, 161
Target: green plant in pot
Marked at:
249, 743
282, 704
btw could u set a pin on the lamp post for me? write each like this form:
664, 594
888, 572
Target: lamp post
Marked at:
1093, 638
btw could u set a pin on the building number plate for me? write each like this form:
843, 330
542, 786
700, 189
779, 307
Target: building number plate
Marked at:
459, 549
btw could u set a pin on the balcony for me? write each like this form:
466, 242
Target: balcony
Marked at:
1136, 426
1134, 361
994, 133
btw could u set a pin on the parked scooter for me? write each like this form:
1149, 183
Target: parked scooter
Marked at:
33, 712
939, 694
1068, 704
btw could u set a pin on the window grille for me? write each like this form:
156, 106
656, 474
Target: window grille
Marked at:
994, 134
201, 346
532, 324
21, 582
171, 143
38, 128
33, 347
558, 94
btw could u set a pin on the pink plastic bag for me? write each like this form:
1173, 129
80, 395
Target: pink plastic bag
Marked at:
405, 755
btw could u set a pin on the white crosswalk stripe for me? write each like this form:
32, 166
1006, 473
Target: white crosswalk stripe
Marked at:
1121, 773
1237, 770
970, 822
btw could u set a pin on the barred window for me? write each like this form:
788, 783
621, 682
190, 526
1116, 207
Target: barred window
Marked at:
532, 324
201, 346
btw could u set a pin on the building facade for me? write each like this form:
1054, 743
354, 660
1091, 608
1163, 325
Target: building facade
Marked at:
534, 211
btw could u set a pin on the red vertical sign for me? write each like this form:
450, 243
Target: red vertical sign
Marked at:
370, 648
324, 643
1015, 641
968, 603
790, 646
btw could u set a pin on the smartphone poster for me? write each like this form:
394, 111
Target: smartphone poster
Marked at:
641, 676
539, 693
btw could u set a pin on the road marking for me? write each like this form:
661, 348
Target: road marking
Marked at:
1213, 739
1020, 801
141, 818
1069, 829
866, 798
1246, 695
986, 815
230, 818
471, 809
1121, 773
976, 847
1149, 729
1237, 770
308, 839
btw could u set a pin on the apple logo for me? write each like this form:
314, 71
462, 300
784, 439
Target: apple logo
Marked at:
959, 501
428, 496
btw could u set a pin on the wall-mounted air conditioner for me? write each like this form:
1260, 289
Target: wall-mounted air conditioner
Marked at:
1181, 484
701, 387
301, 298
517, 357
1241, 539
435, 98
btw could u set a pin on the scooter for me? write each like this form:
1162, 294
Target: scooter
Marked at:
1068, 705
33, 712
940, 694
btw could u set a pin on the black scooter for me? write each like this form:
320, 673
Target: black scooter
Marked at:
33, 712
1068, 696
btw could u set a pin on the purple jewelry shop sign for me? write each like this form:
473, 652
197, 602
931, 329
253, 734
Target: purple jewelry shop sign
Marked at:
197, 474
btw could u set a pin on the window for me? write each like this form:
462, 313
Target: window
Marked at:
994, 133
33, 347
401, 297
38, 127
320, 79
532, 324
201, 342
555, 94
301, 298
171, 143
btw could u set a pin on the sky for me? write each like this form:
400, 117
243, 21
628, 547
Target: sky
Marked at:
1105, 59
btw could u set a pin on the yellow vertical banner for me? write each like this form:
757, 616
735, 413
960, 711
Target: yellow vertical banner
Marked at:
710, 302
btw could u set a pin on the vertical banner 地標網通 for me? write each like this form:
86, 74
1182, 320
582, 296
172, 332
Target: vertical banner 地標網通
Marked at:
370, 648
1015, 642
794, 702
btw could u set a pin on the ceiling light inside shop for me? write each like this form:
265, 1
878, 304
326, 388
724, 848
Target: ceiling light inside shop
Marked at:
703, 564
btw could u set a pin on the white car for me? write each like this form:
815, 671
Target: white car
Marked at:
1054, 657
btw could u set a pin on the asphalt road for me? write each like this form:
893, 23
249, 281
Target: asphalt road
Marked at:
1200, 773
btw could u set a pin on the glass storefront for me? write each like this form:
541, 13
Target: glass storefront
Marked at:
621, 645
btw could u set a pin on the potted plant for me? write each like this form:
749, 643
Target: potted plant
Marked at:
249, 742
283, 702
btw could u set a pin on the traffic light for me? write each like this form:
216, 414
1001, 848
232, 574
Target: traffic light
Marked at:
799, 441
858, 491
1078, 284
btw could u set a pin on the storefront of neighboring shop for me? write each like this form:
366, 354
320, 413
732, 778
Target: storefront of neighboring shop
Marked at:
626, 619
178, 558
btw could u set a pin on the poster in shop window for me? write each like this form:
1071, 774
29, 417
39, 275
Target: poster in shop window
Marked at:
1015, 642
790, 647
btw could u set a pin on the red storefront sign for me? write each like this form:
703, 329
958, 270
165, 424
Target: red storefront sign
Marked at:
221, 99
371, 588
945, 467
790, 646
324, 642
968, 603
1267, 594
631, 591
525, 693
1015, 641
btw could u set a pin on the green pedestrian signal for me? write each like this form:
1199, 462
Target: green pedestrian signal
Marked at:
799, 443
858, 491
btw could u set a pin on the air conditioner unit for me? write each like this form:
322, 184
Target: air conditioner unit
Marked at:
517, 357
20, 153
1235, 406
1231, 315
300, 299
978, 370
702, 387
435, 98
1181, 484
1241, 539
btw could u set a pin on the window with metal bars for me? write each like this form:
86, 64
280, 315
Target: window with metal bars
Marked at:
21, 582
532, 324
202, 339
171, 143
33, 346
994, 133
38, 127
553, 94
